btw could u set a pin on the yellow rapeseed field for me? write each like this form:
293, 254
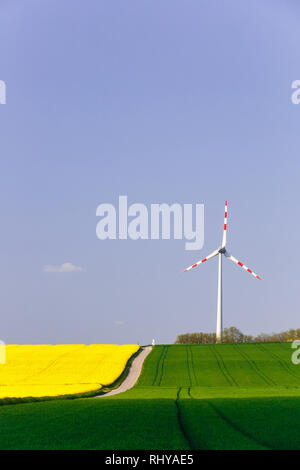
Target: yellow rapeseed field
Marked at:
62, 369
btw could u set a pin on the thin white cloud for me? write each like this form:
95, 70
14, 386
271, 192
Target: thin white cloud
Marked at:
63, 268
119, 322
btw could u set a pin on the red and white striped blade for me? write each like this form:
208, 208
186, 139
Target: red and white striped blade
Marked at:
225, 226
214, 253
241, 265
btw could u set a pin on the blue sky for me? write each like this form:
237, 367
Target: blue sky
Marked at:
172, 101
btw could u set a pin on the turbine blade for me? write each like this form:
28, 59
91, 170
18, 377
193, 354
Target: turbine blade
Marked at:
241, 265
214, 253
225, 226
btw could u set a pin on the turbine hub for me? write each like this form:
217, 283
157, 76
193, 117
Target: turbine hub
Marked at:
222, 250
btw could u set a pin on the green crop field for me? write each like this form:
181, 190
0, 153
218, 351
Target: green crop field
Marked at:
241, 396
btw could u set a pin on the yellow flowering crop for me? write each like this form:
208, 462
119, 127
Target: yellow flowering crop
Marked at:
50, 370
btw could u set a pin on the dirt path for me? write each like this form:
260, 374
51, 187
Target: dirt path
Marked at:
133, 374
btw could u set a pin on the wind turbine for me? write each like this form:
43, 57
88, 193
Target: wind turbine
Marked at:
221, 251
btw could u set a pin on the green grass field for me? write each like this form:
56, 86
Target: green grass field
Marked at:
243, 396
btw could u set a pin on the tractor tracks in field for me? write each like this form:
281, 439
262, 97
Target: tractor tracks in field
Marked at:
193, 365
230, 422
180, 421
160, 367
223, 368
278, 359
188, 363
268, 380
237, 428
157, 365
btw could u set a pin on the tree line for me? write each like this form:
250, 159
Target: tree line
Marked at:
234, 335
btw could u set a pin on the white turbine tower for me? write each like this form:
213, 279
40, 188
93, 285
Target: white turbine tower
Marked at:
221, 251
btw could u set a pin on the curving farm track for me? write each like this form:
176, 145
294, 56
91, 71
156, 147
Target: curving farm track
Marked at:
133, 374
